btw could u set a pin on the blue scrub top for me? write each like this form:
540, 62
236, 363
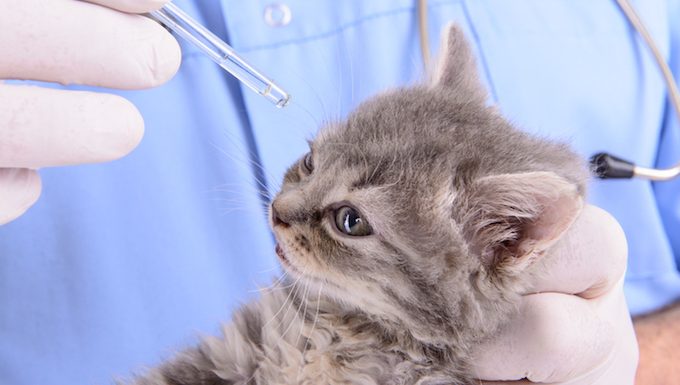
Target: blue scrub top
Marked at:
120, 264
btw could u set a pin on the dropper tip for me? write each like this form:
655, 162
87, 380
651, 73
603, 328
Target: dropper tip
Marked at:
283, 101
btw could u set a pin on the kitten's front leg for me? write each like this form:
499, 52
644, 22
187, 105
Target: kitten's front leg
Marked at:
199, 366
235, 357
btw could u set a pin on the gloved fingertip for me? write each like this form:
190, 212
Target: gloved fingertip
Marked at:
33, 189
118, 132
19, 190
165, 59
132, 129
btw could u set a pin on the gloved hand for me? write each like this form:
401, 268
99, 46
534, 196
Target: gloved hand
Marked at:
73, 42
576, 330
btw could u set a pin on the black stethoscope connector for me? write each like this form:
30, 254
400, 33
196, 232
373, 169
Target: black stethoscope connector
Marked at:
606, 166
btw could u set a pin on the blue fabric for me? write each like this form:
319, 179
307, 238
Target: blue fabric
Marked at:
120, 264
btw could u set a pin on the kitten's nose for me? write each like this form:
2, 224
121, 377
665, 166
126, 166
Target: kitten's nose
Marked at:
276, 218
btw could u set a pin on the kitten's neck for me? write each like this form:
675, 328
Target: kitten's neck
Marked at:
354, 329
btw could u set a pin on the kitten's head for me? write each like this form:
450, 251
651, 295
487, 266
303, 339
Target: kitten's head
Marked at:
425, 208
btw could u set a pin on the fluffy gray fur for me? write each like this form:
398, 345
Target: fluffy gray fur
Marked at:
460, 204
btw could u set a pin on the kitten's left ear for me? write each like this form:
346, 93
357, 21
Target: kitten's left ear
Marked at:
511, 219
457, 69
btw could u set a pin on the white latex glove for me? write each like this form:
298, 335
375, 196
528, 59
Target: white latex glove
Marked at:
577, 329
73, 42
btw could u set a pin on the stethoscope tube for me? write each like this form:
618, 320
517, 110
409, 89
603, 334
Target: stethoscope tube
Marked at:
603, 165
606, 166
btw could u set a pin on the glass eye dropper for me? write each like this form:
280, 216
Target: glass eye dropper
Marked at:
220, 52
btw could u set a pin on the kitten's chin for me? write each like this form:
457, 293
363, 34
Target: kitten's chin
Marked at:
284, 260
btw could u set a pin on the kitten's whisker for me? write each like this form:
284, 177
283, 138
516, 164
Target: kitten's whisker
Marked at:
351, 80
268, 270
229, 200
303, 79
275, 286
243, 194
341, 76
230, 205
250, 162
236, 142
417, 67
291, 304
304, 314
291, 296
279, 280
292, 300
237, 145
316, 123
246, 192
228, 211
311, 332
284, 304
271, 289
283, 276
232, 208
221, 187
297, 314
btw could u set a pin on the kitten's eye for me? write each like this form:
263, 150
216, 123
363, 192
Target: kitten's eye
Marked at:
348, 221
307, 164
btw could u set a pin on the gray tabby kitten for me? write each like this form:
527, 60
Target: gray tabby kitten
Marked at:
408, 234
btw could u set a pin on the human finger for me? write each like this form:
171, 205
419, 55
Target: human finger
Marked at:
68, 41
588, 260
46, 127
19, 189
132, 6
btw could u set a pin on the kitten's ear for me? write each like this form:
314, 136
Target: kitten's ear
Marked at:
511, 219
456, 68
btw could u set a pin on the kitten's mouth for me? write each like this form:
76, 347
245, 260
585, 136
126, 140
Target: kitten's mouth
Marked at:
281, 254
